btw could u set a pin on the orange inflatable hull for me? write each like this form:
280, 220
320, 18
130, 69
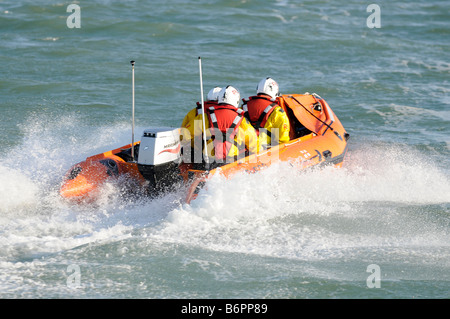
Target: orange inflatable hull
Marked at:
326, 144
84, 180
317, 138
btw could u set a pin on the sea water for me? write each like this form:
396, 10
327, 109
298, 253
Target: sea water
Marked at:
377, 228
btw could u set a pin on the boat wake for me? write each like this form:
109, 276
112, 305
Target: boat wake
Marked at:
380, 200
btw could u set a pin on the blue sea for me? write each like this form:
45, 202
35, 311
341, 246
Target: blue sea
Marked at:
377, 228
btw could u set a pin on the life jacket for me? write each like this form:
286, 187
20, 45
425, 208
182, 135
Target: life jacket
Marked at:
208, 104
224, 120
257, 110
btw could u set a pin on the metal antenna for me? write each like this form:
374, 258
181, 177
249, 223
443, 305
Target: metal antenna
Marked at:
132, 111
203, 112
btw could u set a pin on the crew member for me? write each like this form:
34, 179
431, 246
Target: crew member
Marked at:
229, 135
187, 126
211, 100
266, 115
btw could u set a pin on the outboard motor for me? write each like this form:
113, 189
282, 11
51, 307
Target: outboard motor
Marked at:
159, 157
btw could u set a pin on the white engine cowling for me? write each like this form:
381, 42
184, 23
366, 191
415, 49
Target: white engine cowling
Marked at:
159, 146
159, 157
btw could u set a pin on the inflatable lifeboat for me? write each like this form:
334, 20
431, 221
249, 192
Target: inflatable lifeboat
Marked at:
155, 164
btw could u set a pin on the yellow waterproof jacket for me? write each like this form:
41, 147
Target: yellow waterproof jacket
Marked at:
246, 135
187, 127
189, 117
277, 119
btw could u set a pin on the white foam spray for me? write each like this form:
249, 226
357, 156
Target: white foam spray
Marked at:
383, 197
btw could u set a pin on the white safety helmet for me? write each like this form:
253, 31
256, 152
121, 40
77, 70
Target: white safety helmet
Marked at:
230, 95
268, 86
213, 94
